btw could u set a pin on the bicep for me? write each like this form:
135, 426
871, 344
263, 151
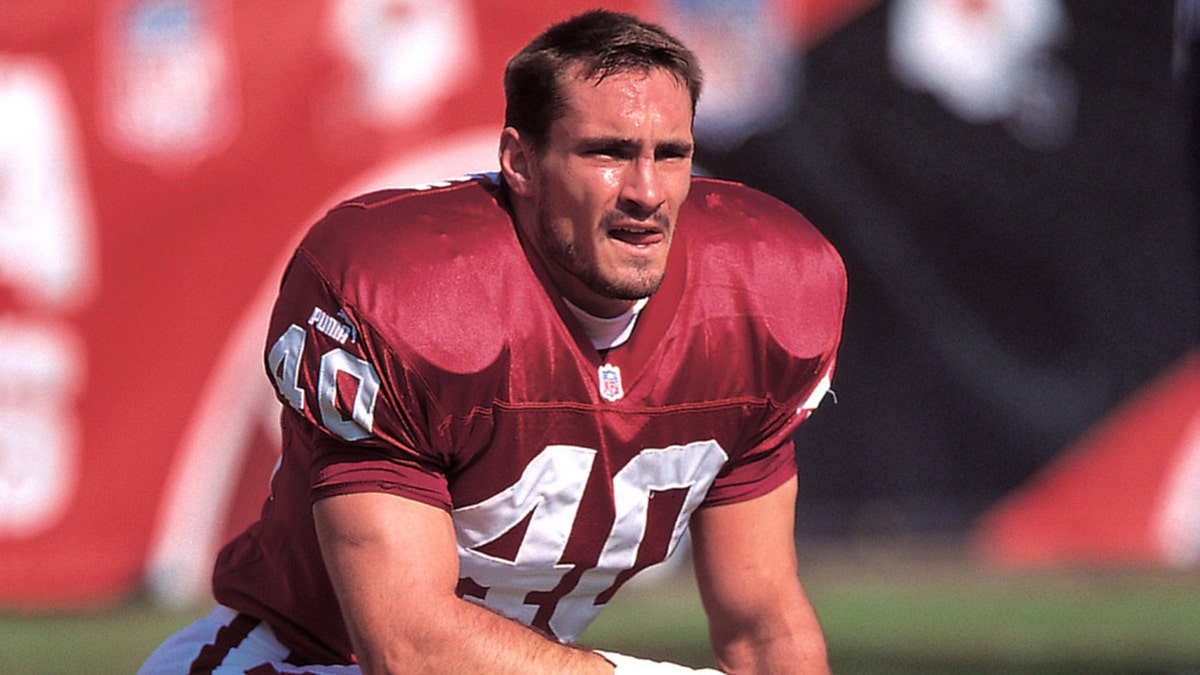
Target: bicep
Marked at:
745, 553
390, 559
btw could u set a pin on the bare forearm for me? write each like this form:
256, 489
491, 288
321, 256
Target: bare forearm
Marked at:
760, 619
461, 637
498, 645
394, 567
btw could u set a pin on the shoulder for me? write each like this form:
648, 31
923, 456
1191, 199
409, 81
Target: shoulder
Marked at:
736, 214
410, 223
753, 254
406, 244
427, 268
735, 229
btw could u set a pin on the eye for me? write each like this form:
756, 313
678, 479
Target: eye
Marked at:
673, 151
616, 149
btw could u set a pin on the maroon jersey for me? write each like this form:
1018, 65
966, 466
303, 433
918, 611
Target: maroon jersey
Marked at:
422, 351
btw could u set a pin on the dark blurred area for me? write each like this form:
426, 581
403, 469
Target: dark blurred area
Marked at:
1011, 279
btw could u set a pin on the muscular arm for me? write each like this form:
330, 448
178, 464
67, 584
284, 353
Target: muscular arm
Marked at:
394, 566
760, 620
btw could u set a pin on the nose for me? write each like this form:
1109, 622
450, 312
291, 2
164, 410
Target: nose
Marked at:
642, 192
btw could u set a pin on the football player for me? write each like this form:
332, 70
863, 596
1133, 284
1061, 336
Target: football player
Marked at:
505, 395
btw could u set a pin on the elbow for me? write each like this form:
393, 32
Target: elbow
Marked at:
755, 647
412, 650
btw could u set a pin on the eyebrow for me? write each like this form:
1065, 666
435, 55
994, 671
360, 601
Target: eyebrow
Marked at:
679, 148
628, 146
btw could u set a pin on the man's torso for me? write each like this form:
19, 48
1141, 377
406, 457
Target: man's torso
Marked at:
420, 353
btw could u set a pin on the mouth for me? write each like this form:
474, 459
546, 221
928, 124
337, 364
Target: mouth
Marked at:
637, 236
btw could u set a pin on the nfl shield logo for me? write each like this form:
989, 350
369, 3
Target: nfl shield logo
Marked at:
610, 382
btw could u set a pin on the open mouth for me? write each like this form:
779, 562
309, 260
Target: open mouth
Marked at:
637, 236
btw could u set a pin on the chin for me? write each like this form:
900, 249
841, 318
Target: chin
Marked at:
633, 289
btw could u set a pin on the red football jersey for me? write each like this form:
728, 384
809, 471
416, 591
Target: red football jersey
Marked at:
422, 351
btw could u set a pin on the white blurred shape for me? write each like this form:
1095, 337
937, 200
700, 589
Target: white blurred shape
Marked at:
989, 61
169, 79
407, 54
40, 377
46, 256
1178, 526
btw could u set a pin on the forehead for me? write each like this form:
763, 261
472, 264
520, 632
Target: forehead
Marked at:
627, 98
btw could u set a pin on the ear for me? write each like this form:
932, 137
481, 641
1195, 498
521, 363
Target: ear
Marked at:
517, 162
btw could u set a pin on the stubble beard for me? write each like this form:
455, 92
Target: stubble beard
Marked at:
636, 280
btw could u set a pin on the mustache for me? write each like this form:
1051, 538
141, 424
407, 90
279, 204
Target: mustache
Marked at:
617, 218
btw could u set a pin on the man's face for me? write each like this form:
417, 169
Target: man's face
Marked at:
608, 185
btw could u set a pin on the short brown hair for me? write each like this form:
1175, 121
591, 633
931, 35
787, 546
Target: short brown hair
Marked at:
602, 42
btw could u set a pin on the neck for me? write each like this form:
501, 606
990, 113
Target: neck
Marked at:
607, 332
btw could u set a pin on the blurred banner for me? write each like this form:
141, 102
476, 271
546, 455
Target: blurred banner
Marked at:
158, 160
1128, 492
1008, 181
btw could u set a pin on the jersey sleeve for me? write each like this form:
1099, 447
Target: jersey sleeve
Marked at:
771, 459
358, 411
